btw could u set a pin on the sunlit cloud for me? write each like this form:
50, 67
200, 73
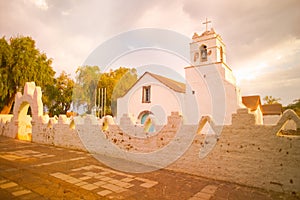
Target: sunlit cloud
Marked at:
274, 71
250, 72
65, 12
41, 4
276, 58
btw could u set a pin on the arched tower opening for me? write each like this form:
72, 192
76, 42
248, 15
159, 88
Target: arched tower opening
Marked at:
203, 53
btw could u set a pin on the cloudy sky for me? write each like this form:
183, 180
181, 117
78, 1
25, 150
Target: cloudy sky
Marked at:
262, 36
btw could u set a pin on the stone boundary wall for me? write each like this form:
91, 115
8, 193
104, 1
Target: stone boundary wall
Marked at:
151, 142
51, 131
59, 132
246, 153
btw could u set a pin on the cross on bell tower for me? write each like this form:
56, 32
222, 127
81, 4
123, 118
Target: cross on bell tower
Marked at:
208, 48
206, 23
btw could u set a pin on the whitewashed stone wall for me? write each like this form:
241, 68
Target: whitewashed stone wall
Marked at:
271, 119
246, 153
150, 142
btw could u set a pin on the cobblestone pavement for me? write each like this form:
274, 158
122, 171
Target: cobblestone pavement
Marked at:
33, 171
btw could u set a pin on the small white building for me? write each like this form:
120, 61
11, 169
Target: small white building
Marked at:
210, 88
152, 94
271, 113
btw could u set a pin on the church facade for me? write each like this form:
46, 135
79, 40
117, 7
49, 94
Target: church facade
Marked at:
210, 88
152, 95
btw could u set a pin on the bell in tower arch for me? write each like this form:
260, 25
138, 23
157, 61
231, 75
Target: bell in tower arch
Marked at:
203, 53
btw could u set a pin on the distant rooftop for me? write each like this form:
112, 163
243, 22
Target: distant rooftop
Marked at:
272, 109
251, 102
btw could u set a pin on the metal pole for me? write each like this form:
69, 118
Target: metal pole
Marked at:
95, 96
98, 103
104, 100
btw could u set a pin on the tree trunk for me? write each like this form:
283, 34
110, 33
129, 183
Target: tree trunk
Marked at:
6, 109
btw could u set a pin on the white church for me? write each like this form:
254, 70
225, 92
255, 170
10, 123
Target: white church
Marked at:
210, 88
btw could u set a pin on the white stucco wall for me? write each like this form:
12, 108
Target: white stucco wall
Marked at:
163, 101
258, 116
214, 95
271, 119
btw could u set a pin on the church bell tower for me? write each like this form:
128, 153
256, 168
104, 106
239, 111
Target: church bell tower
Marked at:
207, 48
210, 81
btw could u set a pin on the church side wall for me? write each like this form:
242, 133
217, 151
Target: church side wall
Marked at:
231, 101
214, 95
200, 95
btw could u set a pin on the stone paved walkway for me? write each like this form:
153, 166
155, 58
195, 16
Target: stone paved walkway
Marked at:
33, 171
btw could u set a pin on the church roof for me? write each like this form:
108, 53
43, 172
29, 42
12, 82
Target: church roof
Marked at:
172, 84
272, 109
251, 102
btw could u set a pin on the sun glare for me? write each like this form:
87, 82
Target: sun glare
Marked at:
24, 136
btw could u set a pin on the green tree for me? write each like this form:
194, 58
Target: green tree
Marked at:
60, 95
294, 106
5, 63
271, 100
89, 81
21, 62
117, 83
85, 86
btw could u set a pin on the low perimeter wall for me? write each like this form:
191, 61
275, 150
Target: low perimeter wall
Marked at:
244, 153
248, 154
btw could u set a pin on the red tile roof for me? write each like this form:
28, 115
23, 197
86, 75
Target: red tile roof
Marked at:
251, 102
170, 83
